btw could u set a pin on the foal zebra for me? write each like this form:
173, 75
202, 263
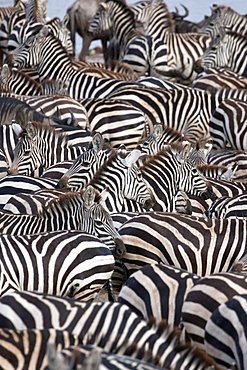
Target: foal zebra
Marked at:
110, 325
64, 263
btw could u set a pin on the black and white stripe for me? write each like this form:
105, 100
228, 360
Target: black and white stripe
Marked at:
64, 263
198, 245
225, 333
206, 296
109, 325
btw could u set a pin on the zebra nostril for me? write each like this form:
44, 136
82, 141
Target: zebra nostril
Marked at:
119, 249
12, 171
198, 66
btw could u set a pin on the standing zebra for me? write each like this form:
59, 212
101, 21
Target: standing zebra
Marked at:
183, 49
204, 297
198, 245
110, 325
64, 263
224, 16
225, 333
227, 50
38, 51
140, 52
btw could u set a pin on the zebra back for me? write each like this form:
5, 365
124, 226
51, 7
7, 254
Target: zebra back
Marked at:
93, 322
188, 242
228, 315
204, 297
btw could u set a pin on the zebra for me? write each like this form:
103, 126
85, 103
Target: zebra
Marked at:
30, 348
223, 16
8, 142
119, 122
228, 207
124, 180
227, 50
182, 49
228, 321
22, 32
135, 49
228, 125
110, 325
168, 172
187, 110
85, 165
220, 188
8, 10
228, 158
218, 78
13, 184
19, 82
188, 242
67, 109
157, 292
70, 211
64, 263
206, 296
37, 52
41, 146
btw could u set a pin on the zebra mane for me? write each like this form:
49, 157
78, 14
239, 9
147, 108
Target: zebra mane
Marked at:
114, 154
167, 150
65, 199
204, 167
235, 34
123, 5
24, 75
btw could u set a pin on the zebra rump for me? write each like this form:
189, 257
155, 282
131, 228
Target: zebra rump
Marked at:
226, 333
66, 263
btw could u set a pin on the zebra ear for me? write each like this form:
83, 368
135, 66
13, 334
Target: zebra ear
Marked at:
5, 72
66, 19
97, 141
186, 150
17, 128
158, 129
43, 32
104, 195
103, 5
89, 195
30, 129
131, 158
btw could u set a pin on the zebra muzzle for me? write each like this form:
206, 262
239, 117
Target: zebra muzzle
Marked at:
120, 249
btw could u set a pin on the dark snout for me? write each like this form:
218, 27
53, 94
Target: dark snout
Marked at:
198, 66
120, 249
63, 183
209, 193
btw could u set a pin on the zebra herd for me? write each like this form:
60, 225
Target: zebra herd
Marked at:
123, 191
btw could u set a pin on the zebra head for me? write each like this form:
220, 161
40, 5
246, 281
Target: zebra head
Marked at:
189, 178
32, 150
85, 165
97, 220
101, 21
